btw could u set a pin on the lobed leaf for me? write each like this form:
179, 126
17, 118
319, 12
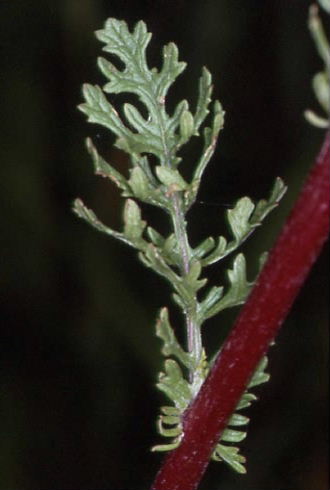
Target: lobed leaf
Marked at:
146, 130
100, 111
104, 169
143, 188
259, 376
90, 217
218, 253
171, 69
213, 297
173, 384
210, 140
171, 346
239, 217
238, 290
243, 219
191, 280
204, 98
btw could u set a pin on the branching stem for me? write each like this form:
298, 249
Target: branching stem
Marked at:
197, 416
194, 340
289, 262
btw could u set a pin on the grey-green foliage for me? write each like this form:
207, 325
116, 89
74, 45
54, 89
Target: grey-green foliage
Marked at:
325, 4
321, 81
162, 135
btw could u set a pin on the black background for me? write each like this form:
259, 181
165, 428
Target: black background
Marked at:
78, 352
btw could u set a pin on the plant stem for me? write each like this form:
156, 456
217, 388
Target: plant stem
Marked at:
179, 225
290, 260
194, 339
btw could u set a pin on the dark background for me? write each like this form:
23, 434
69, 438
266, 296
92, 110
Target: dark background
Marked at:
79, 355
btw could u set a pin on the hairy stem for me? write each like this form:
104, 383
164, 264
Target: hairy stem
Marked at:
289, 262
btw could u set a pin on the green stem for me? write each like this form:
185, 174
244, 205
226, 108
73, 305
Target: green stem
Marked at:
179, 225
194, 340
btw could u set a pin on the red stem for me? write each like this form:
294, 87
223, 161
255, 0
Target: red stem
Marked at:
289, 262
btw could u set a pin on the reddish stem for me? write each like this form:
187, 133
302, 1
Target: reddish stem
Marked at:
289, 262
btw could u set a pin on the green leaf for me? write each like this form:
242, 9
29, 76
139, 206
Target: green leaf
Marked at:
90, 217
191, 280
245, 216
246, 401
231, 435
219, 252
133, 224
152, 136
319, 34
171, 346
157, 133
210, 139
325, 4
238, 218
171, 69
203, 248
155, 259
179, 301
104, 169
321, 81
166, 447
156, 238
173, 384
185, 287
238, 420
204, 98
243, 219
172, 432
171, 251
167, 246
212, 297
173, 122
230, 456
100, 111
170, 411
171, 178
170, 419
140, 184
264, 207
238, 290
136, 120
315, 120
143, 189
130, 48
321, 90
187, 126
259, 376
